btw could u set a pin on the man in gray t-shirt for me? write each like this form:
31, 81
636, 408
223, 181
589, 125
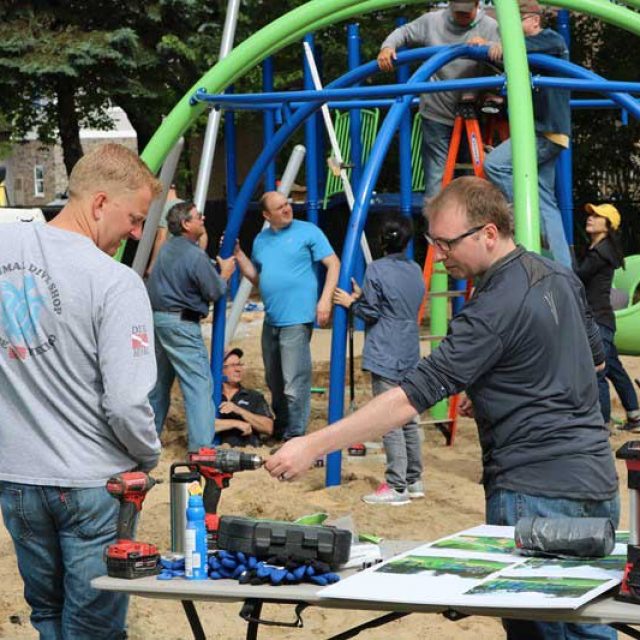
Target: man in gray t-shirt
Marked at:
76, 367
462, 22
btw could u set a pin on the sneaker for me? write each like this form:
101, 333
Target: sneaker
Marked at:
384, 494
416, 489
631, 425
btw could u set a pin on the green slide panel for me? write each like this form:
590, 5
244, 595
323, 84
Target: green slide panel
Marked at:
627, 337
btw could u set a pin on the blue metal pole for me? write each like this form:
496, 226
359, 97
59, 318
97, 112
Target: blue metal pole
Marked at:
268, 120
230, 148
394, 90
311, 143
564, 165
404, 148
355, 136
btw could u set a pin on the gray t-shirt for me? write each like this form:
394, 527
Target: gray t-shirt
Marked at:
438, 28
76, 361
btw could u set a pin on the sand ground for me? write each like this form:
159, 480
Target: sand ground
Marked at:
454, 501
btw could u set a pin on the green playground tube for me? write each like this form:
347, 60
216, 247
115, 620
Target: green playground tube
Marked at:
523, 142
627, 337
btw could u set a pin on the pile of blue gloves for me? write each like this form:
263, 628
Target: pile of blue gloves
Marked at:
276, 570
247, 569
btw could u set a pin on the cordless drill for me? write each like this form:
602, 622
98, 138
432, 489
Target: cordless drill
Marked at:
217, 467
128, 558
630, 587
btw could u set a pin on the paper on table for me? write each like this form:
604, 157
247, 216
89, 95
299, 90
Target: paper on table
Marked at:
475, 567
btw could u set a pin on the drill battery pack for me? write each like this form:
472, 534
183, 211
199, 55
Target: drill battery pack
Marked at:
131, 560
264, 538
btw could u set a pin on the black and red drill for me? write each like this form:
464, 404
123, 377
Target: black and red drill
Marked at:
127, 558
630, 587
217, 467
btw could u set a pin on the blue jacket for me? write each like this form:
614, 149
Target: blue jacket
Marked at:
391, 296
551, 108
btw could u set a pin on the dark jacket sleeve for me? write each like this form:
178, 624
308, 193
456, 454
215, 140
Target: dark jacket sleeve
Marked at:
590, 325
471, 348
592, 263
212, 286
367, 306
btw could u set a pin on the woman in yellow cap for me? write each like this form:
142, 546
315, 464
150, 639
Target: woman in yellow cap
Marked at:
603, 257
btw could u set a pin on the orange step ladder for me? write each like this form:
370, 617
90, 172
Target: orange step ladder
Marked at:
466, 118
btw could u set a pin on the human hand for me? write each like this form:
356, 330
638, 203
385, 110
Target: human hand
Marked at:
495, 52
323, 312
385, 58
292, 459
227, 266
476, 41
465, 407
244, 428
601, 366
229, 407
341, 297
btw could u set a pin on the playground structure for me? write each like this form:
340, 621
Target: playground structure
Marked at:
301, 106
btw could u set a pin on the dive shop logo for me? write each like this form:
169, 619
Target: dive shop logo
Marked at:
25, 290
139, 340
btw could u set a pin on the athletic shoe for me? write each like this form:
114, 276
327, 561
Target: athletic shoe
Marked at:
416, 489
384, 494
631, 425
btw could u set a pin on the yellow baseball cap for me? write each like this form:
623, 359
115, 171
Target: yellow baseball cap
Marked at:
607, 211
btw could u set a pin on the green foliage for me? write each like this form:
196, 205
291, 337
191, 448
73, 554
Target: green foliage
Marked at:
139, 55
606, 153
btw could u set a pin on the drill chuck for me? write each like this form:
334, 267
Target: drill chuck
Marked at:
230, 461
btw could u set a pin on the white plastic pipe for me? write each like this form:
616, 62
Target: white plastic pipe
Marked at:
337, 154
141, 259
213, 123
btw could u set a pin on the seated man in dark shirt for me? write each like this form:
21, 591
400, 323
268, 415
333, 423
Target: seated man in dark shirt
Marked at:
245, 415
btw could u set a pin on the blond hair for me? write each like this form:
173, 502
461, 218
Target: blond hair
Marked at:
112, 168
481, 200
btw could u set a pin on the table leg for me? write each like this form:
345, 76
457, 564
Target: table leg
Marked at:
194, 620
627, 629
371, 624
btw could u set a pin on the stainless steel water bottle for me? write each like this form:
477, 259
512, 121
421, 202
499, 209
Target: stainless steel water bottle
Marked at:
180, 478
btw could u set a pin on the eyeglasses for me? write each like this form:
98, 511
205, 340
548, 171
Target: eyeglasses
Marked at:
449, 244
235, 365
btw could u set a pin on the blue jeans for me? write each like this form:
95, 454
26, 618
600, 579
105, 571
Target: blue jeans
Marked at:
615, 372
435, 147
59, 536
180, 351
498, 165
402, 445
286, 354
506, 508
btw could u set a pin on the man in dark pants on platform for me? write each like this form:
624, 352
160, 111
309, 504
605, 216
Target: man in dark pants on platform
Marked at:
525, 349
181, 286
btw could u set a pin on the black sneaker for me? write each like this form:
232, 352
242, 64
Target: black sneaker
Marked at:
632, 425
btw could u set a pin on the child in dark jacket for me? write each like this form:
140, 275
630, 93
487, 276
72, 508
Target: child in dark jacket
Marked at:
388, 303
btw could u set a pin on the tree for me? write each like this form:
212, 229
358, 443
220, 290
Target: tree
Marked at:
62, 64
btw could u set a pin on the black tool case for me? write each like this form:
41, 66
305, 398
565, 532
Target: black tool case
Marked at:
264, 538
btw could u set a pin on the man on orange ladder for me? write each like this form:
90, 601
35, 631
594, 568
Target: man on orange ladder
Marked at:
552, 115
461, 22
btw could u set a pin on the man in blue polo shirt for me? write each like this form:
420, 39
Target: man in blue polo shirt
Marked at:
283, 266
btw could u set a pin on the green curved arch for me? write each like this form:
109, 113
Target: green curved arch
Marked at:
320, 13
